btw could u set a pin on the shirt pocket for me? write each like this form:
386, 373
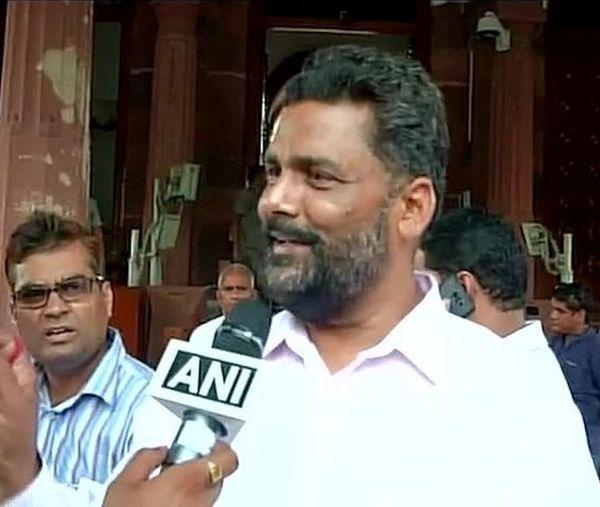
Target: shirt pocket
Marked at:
577, 373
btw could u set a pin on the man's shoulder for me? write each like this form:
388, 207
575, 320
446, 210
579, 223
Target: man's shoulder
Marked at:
465, 335
135, 368
127, 369
594, 336
133, 374
206, 330
473, 358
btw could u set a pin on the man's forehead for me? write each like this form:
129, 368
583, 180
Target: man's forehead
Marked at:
561, 305
24, 276
53, 265
236, 276
312, 121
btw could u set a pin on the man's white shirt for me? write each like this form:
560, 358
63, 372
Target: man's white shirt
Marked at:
438, 413
203, 335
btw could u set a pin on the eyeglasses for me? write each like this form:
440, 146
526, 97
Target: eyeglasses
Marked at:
72, 289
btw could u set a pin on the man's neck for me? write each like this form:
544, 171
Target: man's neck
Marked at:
582, 329
366, 321
576, 333
506, 323
502, 323
63, 383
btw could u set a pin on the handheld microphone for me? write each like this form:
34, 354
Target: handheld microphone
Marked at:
245, 331
208, 387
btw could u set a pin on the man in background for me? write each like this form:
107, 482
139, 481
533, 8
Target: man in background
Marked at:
88, 386
577, 347
235, 283
483, 275
482, 268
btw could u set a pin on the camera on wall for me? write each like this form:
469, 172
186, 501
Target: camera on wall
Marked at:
490, 27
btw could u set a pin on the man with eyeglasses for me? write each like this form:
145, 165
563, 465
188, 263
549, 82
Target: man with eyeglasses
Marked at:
88, 386
235, 284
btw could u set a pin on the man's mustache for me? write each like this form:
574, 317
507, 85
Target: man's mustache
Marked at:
280, 226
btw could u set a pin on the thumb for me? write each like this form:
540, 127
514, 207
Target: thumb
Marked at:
26, 374
10, 348
143, 463
23, 368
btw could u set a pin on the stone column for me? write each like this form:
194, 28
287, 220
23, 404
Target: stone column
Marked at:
173, 115
514, 146
44, 109
512, 123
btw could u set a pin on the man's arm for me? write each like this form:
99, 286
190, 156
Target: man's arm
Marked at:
23, 480
19, 463
196, 483
23, 483
595, 361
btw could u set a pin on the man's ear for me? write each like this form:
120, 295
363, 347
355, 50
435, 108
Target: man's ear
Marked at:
470, 283
580, 316
415, 208
108, 296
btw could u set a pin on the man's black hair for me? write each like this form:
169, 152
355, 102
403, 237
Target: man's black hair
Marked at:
486, 246
575, 296
410, 133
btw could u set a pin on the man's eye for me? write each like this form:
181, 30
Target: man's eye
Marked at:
32, 293
321, 178
73, 287
272, 172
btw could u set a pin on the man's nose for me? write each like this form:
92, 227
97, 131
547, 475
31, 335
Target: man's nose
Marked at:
281, 196
55, 305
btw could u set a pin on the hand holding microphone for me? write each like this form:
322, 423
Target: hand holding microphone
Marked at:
208, 386
192, 484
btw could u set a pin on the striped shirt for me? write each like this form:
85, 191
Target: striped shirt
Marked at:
86, 435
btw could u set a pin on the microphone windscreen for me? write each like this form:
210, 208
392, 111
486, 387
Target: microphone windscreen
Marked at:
246, 330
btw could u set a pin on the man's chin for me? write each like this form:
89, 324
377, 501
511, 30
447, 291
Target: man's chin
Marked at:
554, 330
287, 259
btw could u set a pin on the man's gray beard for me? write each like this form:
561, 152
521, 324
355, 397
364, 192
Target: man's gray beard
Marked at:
318, 288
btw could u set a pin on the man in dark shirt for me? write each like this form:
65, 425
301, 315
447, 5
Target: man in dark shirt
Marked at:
577, 348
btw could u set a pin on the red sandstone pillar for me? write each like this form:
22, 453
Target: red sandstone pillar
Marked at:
44, 108
514, 150
512, 134
173, 116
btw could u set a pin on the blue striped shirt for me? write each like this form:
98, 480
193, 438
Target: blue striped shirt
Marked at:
88, 434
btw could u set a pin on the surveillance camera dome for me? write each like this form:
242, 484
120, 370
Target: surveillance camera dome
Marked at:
489, 25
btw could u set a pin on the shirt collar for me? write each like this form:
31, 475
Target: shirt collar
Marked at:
416, 336
102, 383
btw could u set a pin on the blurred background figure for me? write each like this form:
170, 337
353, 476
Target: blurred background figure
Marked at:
483, 274
236, 283
481, 268
577, 347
